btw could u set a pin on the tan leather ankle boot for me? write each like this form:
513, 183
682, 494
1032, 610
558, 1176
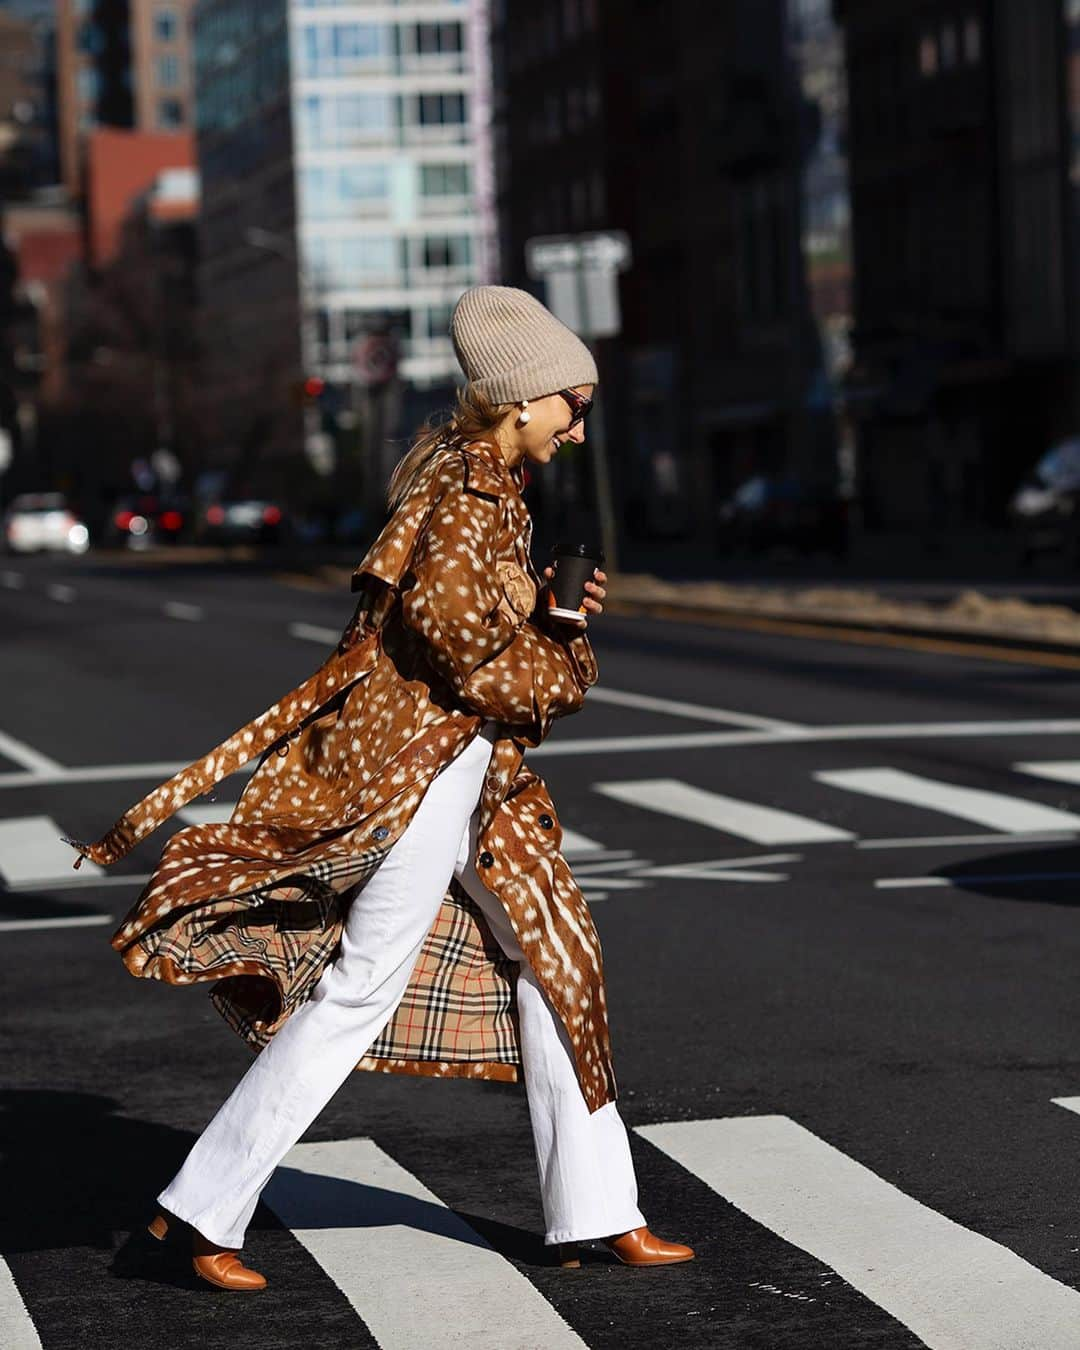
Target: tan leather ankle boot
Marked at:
219, 1266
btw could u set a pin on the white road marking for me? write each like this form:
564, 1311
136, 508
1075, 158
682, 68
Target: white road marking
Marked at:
998, 810
575, 844
72, 921
64, 595
207, 813
947, 840
597, 745
1069, 1103
103, 773
12, 581
310, 632
953, 1288
748, 820
415, 1273
31, 851
698, 712
28, 757
971, 879
725, 869
1060, 770
901, 731
75, 881
19, 1331
177, 609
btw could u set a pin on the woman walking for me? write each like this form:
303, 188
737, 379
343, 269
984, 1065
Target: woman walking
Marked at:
389, 892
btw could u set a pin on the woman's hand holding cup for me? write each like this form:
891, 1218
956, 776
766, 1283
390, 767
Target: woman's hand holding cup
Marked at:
594, 590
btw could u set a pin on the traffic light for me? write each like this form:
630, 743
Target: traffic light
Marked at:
313, 389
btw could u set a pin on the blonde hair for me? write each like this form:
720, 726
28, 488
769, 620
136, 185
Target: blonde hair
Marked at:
475, 417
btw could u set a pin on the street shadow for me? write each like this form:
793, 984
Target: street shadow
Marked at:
1048, 875
75, 1174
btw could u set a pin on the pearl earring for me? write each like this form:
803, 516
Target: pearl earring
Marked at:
524, 415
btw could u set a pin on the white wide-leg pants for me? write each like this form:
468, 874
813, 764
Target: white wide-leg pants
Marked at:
587, 1182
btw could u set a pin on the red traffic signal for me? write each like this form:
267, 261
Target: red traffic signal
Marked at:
313, 388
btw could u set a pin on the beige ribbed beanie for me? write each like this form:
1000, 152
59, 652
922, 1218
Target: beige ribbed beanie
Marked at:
511, 347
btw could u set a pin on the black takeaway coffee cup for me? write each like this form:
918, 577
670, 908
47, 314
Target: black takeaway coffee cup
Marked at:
574, 565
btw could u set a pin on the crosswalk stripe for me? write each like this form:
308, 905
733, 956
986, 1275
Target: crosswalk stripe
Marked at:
409, 1266
71, 921
998, 810
748, 820
577, 845
19, 1332
953, 1288
1060, 770
31, 850
26, 756
207, 813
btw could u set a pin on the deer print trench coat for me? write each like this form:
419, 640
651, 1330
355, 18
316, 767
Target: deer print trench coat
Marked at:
445, 635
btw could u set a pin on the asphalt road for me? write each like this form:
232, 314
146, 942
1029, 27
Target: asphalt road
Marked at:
842, 950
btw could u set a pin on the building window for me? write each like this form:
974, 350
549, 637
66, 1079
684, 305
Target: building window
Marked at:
948, 46
88, 82
166, 24
972, 41
344, 191
444, 180
170, 114
438, 37
90, 39
436, 110
339, 49
928, 56
446, 250
168, 72
343, 120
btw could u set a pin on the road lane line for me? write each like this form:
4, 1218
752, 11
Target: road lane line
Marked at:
998, 810
76, 881
19, 1331
972, 879
1060, 770
31, 851
72, 921
748, 820
104, 773
575, 844
50, 772
64, 595
177, 609
706, 740
699, 712
207, 813
415, 1273
953, 1288
947, 840
310, 632
28, 757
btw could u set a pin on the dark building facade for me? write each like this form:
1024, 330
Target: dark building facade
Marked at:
688, 127
966, 337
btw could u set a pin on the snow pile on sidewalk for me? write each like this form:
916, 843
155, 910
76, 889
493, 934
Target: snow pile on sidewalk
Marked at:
968, 612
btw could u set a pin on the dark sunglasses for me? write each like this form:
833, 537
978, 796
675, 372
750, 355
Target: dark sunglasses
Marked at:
579, 405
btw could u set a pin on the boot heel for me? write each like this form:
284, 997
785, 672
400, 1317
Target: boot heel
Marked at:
568, 1255
158, 1227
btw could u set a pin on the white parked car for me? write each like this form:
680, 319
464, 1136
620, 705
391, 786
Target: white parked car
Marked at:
45, 521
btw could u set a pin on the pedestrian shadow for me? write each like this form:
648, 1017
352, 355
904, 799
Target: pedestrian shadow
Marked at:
1046, 875
74, 1173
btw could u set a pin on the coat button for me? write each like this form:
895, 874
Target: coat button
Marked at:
546, 822
494, 782
486, 859
379, 832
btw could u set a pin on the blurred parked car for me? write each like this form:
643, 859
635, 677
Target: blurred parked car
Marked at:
247, 520
783, 514
1045, 509
144, 520
44, 521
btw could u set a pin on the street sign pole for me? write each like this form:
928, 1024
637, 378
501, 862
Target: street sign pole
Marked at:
581, 275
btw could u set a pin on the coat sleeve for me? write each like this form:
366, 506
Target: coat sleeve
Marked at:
501, 663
